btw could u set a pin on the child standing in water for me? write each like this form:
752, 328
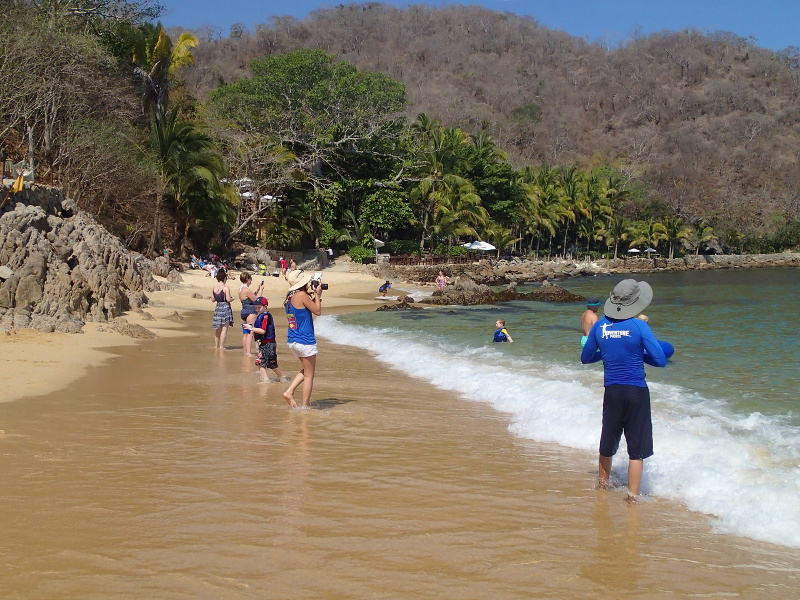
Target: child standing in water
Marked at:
264, 333
501, 335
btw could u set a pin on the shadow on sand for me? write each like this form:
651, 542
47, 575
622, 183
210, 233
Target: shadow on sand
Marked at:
326, 403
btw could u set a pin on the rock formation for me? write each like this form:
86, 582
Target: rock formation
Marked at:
66, 268
465, 292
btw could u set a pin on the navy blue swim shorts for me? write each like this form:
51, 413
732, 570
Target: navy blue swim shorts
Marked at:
626, 409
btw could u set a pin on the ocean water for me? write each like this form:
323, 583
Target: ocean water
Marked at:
726, 413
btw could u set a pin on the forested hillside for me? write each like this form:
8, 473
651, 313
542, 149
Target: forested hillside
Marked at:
708, 123
426, 128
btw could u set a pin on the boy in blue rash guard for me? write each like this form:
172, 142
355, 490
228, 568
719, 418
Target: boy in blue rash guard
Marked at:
620, 340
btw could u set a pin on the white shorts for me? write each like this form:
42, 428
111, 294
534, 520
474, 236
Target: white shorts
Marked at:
302, 350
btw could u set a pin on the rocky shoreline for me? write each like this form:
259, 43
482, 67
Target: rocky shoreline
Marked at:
517, 270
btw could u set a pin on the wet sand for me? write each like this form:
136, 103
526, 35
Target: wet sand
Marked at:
171, 473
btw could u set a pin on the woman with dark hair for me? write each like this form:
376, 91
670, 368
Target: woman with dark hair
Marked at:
248, 313
303, 302
223, 314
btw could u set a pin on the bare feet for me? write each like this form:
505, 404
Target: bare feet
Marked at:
289, 399
631, 499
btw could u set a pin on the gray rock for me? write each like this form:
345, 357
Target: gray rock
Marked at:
64, 267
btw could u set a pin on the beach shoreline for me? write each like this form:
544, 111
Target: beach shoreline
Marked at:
172, 466
43, 363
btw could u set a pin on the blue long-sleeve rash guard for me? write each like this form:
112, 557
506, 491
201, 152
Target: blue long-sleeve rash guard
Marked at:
621, 345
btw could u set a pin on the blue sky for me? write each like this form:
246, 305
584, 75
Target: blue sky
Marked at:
774, 23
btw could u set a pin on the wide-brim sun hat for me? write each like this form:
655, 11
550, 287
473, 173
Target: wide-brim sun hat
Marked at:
628, 298
298, 279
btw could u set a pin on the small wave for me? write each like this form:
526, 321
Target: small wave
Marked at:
705, 455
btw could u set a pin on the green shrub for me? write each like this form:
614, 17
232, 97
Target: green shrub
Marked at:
788, 237
403, 247
757, 245
359, 253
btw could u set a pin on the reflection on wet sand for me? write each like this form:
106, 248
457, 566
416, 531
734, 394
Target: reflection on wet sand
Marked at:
174, 474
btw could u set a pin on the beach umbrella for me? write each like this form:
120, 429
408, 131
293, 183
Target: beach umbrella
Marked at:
485, 246
378, 243
649, 250
634, 251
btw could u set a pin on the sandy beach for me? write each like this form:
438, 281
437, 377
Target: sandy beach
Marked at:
43, 363
163, 469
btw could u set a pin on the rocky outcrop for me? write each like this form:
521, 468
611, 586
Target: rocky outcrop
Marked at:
466, 292
66, 268
405, 302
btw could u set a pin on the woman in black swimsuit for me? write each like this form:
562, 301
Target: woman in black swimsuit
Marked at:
223, 314
248, 313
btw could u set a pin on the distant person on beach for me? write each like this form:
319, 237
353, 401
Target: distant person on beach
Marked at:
441, 281
330, 256
264, 334
501, 335
589, 318
385, 288
282, 262
292, 265
223, 314
303, 302
248, 313
624, 343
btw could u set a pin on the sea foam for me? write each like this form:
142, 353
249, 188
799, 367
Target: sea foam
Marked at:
741, 469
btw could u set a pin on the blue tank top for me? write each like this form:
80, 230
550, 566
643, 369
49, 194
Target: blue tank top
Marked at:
301, 325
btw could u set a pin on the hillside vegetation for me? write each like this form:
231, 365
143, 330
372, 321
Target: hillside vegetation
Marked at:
708, 123
426, 128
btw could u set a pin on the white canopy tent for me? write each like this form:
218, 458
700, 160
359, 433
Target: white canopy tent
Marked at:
484, 246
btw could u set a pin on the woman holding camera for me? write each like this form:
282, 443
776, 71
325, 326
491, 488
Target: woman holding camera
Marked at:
303, 302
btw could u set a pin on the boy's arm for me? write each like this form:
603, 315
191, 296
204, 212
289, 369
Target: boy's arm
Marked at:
508, 335
591, 351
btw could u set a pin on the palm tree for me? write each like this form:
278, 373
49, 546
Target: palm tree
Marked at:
701, 234
156, 62
572, 200
677, 231
356, 232
649, 232
460, 211
500, 237
617, 230
183, 155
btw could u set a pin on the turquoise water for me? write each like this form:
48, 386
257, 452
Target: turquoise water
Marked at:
726, 413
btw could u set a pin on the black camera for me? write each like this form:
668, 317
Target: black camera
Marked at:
315, 283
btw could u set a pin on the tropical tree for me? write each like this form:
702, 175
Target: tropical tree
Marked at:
460, 211
184, 156
700, 234
677, 231
649, 232
157, 61
500, 237
617, 230
319, 108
